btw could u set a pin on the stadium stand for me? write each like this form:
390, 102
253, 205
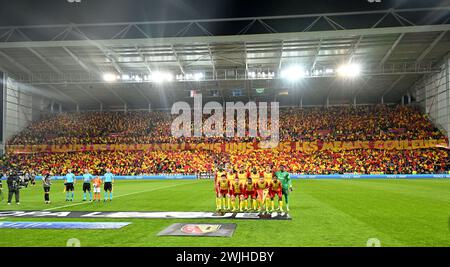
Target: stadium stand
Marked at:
334, 124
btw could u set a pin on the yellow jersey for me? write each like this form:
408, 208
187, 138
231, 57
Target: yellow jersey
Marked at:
219, 175
268, 176
231, 176
242, 176
255, 176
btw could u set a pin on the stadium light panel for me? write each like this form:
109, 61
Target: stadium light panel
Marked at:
160, 77
198, 76
349, 70
109, 77
293, 73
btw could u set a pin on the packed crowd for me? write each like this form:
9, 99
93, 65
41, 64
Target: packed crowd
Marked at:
309, 124
142, 127
364, 161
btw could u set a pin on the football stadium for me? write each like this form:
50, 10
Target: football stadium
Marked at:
227, 124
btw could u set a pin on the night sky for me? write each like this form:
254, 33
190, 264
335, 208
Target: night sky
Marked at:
23, 12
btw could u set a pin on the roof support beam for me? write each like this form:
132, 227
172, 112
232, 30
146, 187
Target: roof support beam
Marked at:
17, 64
177, 59
430, 47
116, 95
138, 89
267, 37
316, 54
392, 86
212, 60
147, 65
89, 94
43, 59
389, 52
77, 59
67, 97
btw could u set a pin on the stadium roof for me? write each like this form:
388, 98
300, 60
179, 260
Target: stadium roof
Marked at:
394, 47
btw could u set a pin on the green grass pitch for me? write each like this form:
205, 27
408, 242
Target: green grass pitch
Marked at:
325, 213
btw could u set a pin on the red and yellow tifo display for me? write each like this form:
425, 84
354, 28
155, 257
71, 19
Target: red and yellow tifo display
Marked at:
234, 147
364, 139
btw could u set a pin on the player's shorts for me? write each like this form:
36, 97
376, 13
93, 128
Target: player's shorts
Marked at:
285, 191
250, 194
278, 193
223, 193
46, 189
86, 187
97, 189
260, 193
107, 186
69, 187
234, 194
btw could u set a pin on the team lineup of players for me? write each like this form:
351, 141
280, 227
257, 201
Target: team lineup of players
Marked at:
245, 190
108, 180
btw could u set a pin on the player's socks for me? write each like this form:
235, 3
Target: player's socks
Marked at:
90, 196
106, 196
241, 205
67, 195
84, 196
246, 204
280, 205
224, 203
233, 204
72, 196
217, 204
254, 204
273, 205
111, 195
228, 202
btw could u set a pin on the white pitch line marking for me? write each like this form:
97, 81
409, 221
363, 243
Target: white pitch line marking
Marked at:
133, 193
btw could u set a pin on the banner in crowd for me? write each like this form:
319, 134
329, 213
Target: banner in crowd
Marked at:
230, 147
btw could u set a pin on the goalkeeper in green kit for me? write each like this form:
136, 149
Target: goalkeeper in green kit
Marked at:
286, 182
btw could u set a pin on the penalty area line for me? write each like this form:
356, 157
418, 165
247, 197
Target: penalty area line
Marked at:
124, 195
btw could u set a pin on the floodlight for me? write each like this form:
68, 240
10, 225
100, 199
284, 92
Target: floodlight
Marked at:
349, 70
198, 76
109, 77
293, 73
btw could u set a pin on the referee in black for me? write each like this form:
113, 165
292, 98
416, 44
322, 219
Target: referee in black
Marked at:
46, 183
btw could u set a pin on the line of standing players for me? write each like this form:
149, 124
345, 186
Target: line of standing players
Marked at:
244, 190
108, 180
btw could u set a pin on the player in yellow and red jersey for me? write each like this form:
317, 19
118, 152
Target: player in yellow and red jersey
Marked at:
268, 174
237, 193
223, 186
231, 175
254, 174
250, 194
217, 177
276, 189
261, 189
242, 174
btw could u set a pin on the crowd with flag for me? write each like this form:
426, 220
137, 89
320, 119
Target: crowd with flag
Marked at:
361, 123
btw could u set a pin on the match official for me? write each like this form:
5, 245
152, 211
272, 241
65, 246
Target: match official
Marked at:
46, 183
69, 182
87, 177
108, 184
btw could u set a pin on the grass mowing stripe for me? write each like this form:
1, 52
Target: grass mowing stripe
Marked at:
357, 223
133, 193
